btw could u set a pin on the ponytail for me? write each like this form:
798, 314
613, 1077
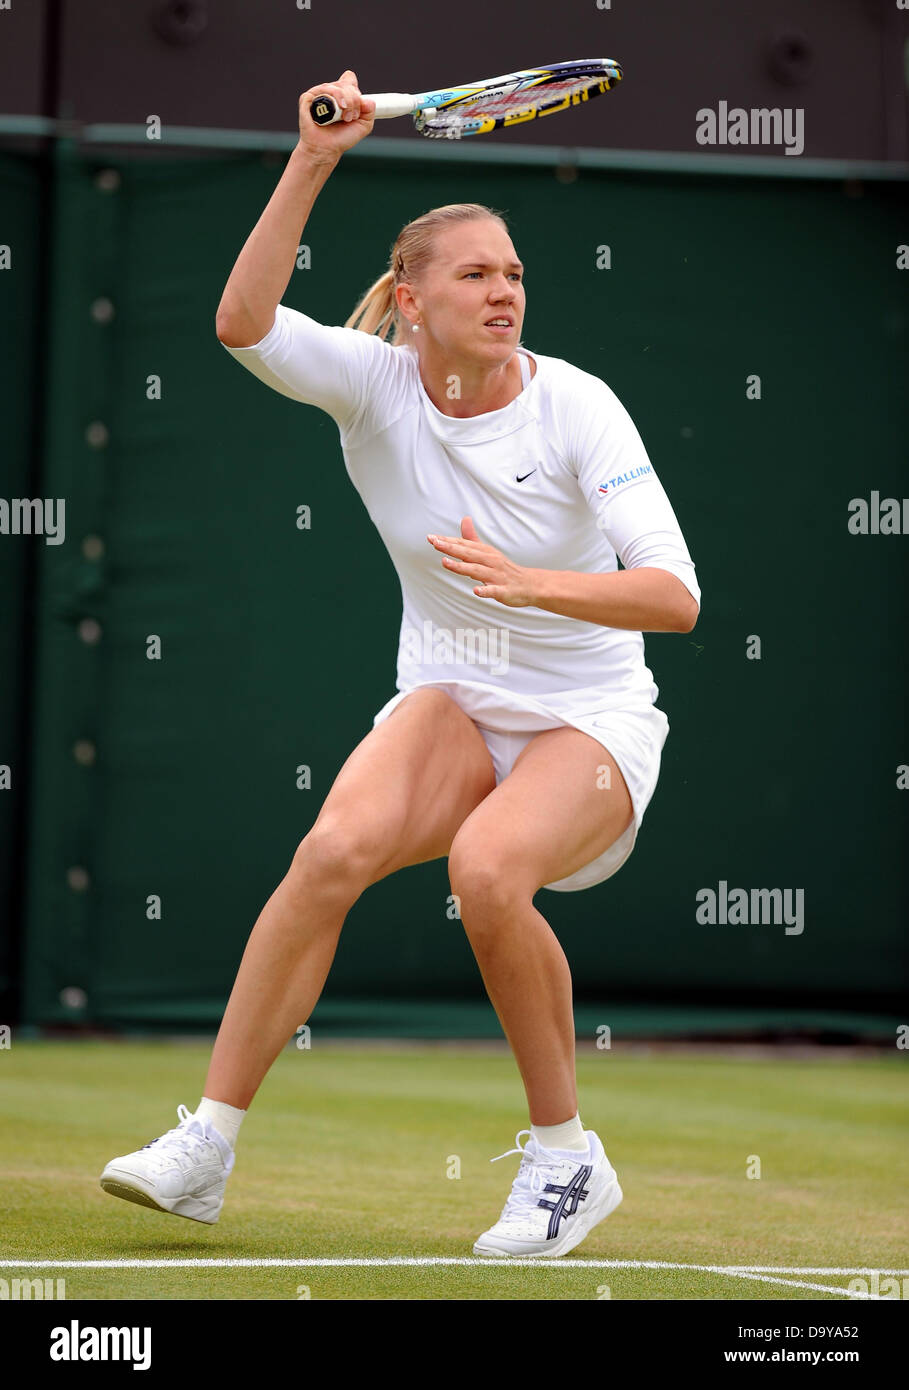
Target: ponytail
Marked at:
377, 310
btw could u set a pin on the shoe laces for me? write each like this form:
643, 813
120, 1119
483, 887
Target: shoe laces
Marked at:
531, 1177
187, 1137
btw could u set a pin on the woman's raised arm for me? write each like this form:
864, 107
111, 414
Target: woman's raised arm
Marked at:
263, 268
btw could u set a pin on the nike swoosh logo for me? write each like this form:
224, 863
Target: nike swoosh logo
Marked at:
526, 475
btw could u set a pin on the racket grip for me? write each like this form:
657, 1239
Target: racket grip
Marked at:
325, 110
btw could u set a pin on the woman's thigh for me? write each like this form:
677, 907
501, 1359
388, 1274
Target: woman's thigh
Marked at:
408, 786
552, 815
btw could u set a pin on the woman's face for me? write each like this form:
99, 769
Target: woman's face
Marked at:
474, 278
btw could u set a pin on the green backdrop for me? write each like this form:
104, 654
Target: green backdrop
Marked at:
21, 283
278, 645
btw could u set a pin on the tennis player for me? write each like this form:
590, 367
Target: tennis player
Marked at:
523, 740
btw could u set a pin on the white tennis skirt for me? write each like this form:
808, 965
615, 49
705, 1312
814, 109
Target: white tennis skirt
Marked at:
630, 727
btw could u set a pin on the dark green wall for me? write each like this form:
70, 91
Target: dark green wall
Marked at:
20, 307
279, 644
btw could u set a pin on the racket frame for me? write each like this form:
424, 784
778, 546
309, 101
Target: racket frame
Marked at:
602, 72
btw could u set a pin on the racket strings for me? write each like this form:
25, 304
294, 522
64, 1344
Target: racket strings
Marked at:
503, 103
485, 110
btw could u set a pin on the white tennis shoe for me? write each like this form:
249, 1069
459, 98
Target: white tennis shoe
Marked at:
184, 1172
555, 1201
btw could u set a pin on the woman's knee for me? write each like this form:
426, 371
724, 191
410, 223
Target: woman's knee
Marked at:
485, 877
337, 857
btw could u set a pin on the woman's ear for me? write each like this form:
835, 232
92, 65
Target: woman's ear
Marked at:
406, 302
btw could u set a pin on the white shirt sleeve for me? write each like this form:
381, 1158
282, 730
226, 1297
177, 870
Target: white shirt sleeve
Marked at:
621, 487
326, 366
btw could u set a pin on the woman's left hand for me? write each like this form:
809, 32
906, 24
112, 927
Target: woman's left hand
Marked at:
496, 576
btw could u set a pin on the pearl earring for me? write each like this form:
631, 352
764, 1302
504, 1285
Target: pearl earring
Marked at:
414, 328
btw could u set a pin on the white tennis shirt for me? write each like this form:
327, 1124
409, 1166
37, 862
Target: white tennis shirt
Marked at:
558, 479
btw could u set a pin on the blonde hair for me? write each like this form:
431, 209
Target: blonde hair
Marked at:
377, 311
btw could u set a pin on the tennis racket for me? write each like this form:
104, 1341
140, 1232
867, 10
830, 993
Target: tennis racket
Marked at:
479, 107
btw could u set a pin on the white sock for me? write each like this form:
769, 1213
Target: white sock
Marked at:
226, 1119
569, 1136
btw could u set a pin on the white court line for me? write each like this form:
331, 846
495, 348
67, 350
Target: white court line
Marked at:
798, 1284
764, 1274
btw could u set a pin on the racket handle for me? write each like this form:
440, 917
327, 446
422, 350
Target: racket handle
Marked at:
325, 110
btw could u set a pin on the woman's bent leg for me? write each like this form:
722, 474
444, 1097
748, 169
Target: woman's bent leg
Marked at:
549, 817
399, 799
